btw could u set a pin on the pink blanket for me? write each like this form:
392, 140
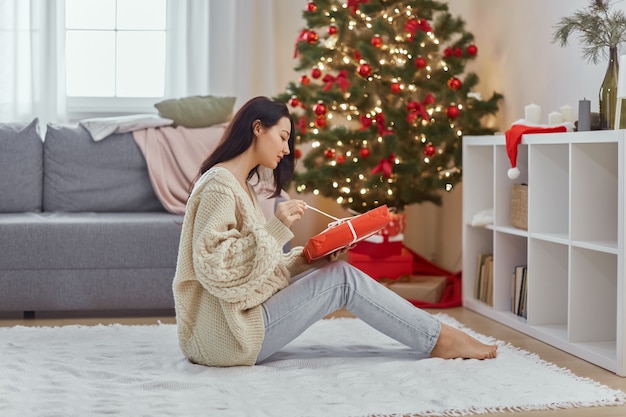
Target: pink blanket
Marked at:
174, 156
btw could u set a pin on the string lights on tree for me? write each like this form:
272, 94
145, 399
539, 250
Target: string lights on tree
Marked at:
382, 103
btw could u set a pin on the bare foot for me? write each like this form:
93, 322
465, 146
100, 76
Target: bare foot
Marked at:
453, 343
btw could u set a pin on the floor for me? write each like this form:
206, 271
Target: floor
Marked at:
469, 318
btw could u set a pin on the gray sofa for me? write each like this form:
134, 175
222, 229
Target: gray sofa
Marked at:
80, 226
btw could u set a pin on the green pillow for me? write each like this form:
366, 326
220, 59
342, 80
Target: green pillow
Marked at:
197, 111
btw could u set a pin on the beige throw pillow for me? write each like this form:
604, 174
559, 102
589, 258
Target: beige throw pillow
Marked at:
197, 111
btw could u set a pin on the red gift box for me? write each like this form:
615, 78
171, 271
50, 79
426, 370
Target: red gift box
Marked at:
380, 246
390, 267
345, 232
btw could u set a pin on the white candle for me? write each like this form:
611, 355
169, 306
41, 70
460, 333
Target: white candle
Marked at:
568, 113
555, 118
532, 113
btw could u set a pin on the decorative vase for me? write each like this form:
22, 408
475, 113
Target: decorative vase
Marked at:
608, 94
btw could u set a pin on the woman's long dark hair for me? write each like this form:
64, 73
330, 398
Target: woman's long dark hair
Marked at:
239, 134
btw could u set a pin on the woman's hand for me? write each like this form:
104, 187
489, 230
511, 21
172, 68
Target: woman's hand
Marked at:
336, 254
289, 211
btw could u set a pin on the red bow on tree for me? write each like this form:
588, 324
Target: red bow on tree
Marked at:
354, 4
414, 24
380, 122
385, 166
366, 122
341, 80
418, 109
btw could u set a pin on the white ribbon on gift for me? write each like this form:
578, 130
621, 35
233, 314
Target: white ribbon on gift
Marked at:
337, 222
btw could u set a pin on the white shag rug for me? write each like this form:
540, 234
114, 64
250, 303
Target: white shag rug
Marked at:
339, 367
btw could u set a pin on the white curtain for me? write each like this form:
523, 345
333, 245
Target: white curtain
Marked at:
236, 48
187, 47
32, 82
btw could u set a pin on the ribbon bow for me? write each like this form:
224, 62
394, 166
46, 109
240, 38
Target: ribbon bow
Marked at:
418, 109
366, 122
380, 122
341, 80
338, 222
385, 166
354, 4
412, 25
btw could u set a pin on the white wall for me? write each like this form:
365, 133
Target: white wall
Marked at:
516, 57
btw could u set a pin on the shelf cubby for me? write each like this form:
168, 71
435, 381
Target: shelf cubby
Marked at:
548, 198
593, 296
548, 284
504, 185
510, 251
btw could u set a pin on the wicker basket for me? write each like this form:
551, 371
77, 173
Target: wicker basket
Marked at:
519, 206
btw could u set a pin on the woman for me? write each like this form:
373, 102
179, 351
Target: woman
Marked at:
239, 297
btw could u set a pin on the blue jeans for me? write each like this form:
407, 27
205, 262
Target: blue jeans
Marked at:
316, 293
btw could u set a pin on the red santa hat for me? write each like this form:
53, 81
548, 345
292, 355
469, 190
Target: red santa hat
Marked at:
514, 137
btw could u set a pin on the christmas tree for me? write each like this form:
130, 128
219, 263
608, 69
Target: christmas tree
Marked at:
383, 101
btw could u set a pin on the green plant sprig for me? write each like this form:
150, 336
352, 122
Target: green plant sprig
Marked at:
599, 29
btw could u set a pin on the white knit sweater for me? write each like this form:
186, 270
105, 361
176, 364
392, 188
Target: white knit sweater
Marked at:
230, 260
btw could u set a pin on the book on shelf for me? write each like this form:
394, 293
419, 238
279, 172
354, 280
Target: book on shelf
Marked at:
483, 285
518, 290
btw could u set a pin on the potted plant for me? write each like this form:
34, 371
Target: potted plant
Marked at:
601, 31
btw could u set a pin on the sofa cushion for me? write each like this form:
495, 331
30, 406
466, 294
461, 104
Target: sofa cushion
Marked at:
63, 241
197, 111
106, 176
21, 167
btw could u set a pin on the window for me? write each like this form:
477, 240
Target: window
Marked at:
115, 52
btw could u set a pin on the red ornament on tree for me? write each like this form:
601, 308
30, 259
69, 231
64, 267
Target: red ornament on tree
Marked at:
312, 37
447, 52
365, 70
458, 52
294, 102
329, 154
320, 108
454, 83
341, 159
332, 30
377, 41
453, 112
395, 88
472, 50
297, 153
305, 80
316, 73
364, 152
311, 7
320, 122
420, 62
429, 150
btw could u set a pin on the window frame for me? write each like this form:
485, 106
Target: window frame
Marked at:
81, 107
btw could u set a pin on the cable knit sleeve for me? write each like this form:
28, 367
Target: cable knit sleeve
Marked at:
235, 256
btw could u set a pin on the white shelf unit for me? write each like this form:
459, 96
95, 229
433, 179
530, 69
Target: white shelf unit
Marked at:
574, 245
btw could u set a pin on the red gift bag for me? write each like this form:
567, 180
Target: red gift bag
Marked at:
345, 232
